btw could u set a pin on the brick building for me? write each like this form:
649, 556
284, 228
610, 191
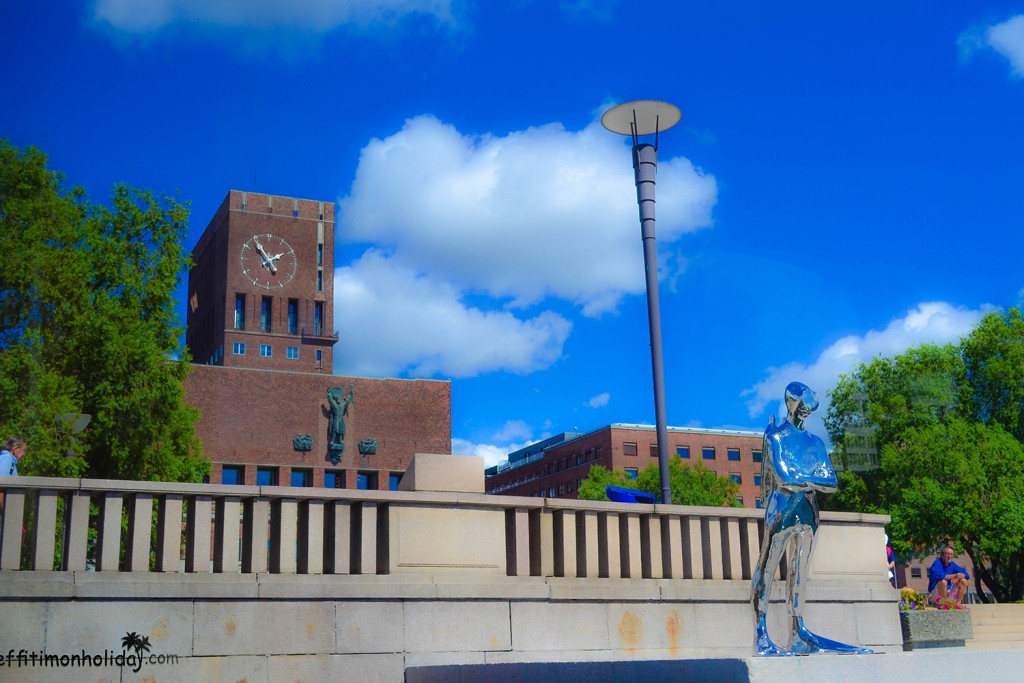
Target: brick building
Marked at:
555, 467
250, 419
260, 329
261, 288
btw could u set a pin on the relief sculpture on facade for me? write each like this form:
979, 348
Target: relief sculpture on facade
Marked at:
336, 425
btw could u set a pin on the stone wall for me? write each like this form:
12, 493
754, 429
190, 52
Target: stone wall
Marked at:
274, 583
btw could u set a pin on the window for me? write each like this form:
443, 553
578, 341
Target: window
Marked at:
733, 454
334, 480
293, 316
683, 452
232, 475
366, 481
735, 478
265, 310
238, 348
266, 350
630, 473
758, 504
708, 453
319, 280
561, 489
239, 311
915, 572
319, 357
551, 492
629, 448
757, 480
654, 450
393, 480
320, 254
266, 476
302, 477
318, 318
292, 352
757, 456
739, 499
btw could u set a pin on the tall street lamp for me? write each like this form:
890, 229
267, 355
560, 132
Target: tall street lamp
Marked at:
636, 119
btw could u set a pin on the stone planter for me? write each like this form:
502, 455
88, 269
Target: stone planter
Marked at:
935, 628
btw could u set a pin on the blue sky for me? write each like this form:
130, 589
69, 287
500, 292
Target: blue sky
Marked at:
846, 180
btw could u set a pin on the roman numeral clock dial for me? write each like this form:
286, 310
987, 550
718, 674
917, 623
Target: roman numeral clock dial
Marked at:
268, 261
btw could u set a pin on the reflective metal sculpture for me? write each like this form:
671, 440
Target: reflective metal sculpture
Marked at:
795, 466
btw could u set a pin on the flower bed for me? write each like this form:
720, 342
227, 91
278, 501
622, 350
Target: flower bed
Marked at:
944, 624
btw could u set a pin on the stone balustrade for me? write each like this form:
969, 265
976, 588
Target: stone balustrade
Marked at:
375, 582
199, 528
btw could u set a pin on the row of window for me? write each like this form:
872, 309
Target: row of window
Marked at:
267, 351
559, 490
707, 452
333, 479
266, 314
631, 473
581, 458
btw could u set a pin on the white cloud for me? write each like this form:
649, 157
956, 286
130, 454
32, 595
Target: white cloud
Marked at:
1007, 39
932, 322
398, 321
141, 16
492, 455
513, 435
542, 212
599, 401
514, 429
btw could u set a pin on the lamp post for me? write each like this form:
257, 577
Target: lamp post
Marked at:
636, 119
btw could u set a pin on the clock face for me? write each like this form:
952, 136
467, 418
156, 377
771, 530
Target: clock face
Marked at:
268, 261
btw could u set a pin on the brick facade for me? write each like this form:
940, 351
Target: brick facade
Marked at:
283, 313
257, 397
250, 418
558, 471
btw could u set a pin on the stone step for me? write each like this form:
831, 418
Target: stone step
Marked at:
994, 644
998, 610
992, 628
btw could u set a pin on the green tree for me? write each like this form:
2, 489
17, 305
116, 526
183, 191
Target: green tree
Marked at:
593, 487
993, 357
691, 485
964, 482
87, 325
948, 423
879, 401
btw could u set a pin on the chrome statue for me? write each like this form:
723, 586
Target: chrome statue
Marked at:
795, 466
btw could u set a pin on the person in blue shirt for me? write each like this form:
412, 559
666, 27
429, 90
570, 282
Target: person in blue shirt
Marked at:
12, 450
946, 579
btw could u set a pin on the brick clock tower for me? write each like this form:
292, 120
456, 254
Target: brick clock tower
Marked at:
261, 287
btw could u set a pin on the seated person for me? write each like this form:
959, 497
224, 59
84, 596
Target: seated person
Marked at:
947, 579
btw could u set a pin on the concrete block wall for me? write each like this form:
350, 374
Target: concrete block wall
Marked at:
305, 628
441, 578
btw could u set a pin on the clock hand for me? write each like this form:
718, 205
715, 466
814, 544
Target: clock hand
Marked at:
267, 261
276, 256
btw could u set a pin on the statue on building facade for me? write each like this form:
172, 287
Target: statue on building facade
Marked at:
368, 446
795, 466
336, 425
